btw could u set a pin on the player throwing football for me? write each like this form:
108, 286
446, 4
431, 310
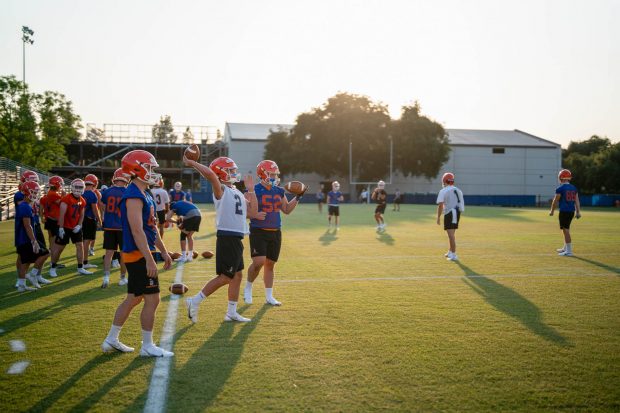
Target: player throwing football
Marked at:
232, 208
380, 197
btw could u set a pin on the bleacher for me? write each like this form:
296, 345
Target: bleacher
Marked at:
10, 171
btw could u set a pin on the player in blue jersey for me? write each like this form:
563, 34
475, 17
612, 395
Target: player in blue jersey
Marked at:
567, 196
140, 237
265, 234
112, 225
29, 248
177, 194
92, 218
334, 198
188, 220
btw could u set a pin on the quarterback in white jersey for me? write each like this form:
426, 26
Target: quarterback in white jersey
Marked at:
450, 203
232, 209
162, 205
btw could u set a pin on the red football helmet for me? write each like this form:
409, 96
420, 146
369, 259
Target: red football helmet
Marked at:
140, 164
266, 170
56, 182
564, 175
31, 190
29, 176
119, 175
77, 187
91, 179
447, 178
225, 169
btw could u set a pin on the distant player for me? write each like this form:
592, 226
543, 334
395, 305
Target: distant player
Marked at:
398, 199
232, 208
177, 194
92, 217
113, 225
140, 237
29, 248
70, 221
567, 196
451, 204
265, 234
380, 197
334, 198
162, 205
320, 198
189, 222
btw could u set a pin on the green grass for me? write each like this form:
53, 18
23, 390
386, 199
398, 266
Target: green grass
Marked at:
369, 322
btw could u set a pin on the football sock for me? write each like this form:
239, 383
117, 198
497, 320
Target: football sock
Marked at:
106, 273
248, 286
232, 307
269, 293
147, 338
198, 297
79, 265
85, 262
190, 254
123, 275
53, 265
34, 272
569, 247
114, 332
22, 282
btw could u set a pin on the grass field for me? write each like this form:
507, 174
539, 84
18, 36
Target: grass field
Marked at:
369, 322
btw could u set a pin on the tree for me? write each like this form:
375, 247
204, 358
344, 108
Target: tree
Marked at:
595, 165
320, 140
163, 132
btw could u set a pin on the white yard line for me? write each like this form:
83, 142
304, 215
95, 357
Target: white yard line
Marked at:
156, 400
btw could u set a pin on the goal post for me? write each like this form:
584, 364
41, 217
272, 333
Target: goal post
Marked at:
353, 182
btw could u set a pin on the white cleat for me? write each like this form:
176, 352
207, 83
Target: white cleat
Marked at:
106, 282
24, 288
447, 254
122, 281
53, 273
42, 280
192, 310
33, 281
273, 301
452, 257
82, 271
566, 254
89, 265
561, 249
236, 317
17, 283
108, 346
181, 259
91, 252
154, 351
116, 264
247, 296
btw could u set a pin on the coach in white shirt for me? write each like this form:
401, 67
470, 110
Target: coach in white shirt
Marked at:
450, 202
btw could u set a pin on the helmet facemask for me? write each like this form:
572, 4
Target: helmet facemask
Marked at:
150, 177
77, 189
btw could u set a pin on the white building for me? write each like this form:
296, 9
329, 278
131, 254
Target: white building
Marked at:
485, 162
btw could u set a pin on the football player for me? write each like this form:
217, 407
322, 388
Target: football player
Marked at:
177, 194
567, 196
70, 219
232, 208
451, 204
189, 222
162, 205
29, 248
92, 217
112, 225
140, 238
334, 198
380, 197
265, 233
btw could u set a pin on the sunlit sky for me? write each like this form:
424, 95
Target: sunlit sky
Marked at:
550, 68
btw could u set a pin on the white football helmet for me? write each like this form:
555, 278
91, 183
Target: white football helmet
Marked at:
381, 185
77, 187
336, 186
178, 186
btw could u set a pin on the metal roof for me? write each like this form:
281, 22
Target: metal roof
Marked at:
464, 137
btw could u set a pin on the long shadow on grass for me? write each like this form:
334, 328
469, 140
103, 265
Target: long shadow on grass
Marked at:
385, 238
513, 304
328, 237
599, 264
206, 236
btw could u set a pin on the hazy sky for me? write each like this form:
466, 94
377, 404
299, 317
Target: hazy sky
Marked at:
551, 68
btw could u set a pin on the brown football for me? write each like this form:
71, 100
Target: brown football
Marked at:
194, 255
175, 255
295, 187
207, 254
178, 288
192, 152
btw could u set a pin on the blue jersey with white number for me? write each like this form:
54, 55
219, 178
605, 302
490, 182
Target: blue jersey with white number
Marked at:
111, 199
24, 210
568, 194
148, 219
91, 198
333, 198
270, 202
176, 196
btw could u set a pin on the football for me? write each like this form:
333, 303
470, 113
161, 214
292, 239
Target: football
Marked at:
194, 255
192, 152
295, 187
207, 254
175, 255
178, 288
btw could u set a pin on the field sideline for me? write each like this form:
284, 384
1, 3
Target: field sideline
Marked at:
369, 322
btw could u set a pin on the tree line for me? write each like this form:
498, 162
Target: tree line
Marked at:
595, 165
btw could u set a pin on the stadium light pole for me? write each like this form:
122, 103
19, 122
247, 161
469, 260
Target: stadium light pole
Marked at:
27, 34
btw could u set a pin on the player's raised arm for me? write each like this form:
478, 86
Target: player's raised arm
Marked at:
208, 174
250, 197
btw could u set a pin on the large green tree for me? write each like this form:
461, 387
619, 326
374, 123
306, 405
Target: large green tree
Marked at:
320, 141
34, 128
163, 132
595, 165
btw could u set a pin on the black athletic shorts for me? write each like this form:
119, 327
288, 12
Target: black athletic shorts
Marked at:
447, 220
333, 210
565, 219
38, 234
26, 254
380, 209
138, 283
70, 235
112, 239
228, 255
265, 243
161, 217
52, 225
89, 228
191, 224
